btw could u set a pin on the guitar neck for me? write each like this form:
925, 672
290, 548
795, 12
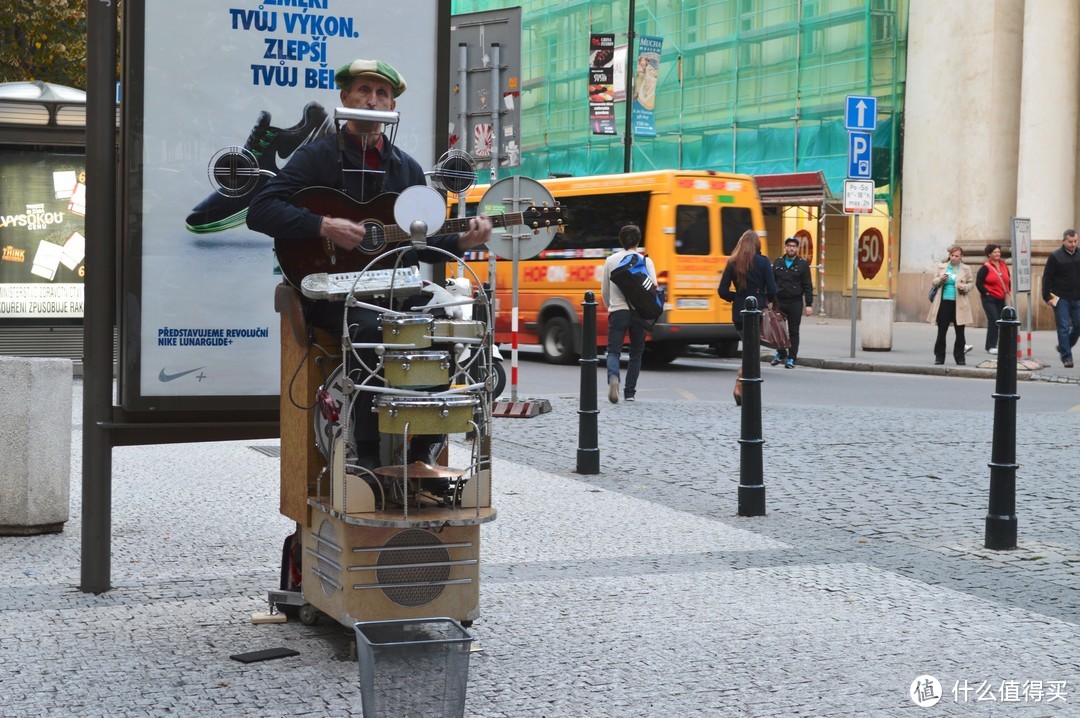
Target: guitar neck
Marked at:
395, 234
461, 224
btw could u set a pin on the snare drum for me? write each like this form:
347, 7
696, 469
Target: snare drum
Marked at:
426, 415
414, 329
417, 370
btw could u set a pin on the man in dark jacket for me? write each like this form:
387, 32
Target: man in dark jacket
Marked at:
1061, 292
363, 162
795, 297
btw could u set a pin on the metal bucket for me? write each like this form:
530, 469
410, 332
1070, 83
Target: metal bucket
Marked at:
424, 414
417, 370
413, 329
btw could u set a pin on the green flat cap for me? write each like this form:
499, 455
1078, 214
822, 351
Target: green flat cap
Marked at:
378, 68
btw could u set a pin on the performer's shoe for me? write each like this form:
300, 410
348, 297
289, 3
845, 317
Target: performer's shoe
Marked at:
267, 144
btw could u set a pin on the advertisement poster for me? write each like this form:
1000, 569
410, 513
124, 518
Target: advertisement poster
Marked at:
646, 75
42, 235
250, 78
602, 83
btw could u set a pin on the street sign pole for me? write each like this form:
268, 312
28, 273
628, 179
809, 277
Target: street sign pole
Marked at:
854, 283
860, 120
1020, 249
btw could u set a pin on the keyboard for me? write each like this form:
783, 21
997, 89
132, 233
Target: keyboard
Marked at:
361, 284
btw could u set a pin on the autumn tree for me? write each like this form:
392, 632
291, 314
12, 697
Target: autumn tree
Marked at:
44, 40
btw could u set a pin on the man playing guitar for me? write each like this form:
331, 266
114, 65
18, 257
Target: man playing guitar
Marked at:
364, 163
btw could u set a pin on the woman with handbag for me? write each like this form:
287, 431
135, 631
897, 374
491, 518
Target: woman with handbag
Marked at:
951, 306
994, 285
748, 274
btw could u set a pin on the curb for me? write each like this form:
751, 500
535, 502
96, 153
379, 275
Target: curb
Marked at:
1023, 373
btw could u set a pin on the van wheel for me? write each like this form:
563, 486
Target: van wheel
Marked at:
500, 379
557, 341
727, 348
476, 375
660, 354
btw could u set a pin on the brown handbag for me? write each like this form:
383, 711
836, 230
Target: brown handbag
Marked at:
774, 331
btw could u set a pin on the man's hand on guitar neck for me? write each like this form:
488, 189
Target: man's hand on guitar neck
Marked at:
344, 233
478, 234
347, 234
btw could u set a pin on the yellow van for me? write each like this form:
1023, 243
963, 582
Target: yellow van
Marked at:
691, 221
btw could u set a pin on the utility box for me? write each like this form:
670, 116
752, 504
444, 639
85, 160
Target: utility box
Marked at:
35, 431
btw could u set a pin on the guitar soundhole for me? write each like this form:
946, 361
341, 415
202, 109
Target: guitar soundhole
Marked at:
374, 238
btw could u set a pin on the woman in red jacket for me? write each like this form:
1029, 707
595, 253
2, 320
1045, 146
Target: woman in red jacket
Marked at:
994, 287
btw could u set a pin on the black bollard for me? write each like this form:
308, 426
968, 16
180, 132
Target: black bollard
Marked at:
1001, 517
751, 471
588, 453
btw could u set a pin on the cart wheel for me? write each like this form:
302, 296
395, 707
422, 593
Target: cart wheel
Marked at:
309, 615
466, 624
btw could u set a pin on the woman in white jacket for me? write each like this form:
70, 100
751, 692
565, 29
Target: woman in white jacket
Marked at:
954, 280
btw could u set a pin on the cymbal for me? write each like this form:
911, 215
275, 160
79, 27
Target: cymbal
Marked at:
419, 470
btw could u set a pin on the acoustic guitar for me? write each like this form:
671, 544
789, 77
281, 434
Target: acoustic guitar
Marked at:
300, 257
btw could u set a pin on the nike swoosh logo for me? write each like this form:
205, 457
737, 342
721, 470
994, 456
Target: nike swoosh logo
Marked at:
163, 377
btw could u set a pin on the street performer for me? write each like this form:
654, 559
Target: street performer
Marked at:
362, 162
795, 297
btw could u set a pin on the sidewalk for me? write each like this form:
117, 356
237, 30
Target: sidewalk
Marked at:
634, 593
826, 343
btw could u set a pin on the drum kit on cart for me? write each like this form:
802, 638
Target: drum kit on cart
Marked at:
400, 540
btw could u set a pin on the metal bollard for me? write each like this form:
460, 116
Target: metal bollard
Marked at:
751, 472
1001, 516
588, 453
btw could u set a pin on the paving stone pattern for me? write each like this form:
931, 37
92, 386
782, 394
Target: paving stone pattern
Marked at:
633, 592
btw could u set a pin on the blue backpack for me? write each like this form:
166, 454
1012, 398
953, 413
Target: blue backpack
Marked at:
631, 276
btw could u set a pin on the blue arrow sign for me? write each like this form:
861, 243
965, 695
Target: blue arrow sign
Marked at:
860, 112
859, 160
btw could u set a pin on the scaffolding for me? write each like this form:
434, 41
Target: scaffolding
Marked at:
749, 86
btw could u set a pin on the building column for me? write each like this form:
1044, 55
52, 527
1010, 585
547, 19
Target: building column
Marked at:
1046, 188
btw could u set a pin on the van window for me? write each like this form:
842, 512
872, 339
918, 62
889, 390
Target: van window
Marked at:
691, 229
594, 221
733, 222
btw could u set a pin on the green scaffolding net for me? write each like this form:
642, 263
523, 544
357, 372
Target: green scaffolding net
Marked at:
751, 86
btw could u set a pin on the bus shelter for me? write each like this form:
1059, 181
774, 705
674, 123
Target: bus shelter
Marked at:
42, 210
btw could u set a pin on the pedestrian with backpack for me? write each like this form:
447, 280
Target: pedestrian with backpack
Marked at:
623, 318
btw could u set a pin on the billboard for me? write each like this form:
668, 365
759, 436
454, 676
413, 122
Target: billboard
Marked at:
209, 82
42, 234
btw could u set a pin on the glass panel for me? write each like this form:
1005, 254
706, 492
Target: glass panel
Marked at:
733, 222
691, 229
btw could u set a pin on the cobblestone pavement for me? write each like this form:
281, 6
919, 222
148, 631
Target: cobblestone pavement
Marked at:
633, 592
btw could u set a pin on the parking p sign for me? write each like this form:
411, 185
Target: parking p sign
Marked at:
859, 155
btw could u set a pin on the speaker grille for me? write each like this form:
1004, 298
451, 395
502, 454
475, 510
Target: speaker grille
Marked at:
400, 567
329, 557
